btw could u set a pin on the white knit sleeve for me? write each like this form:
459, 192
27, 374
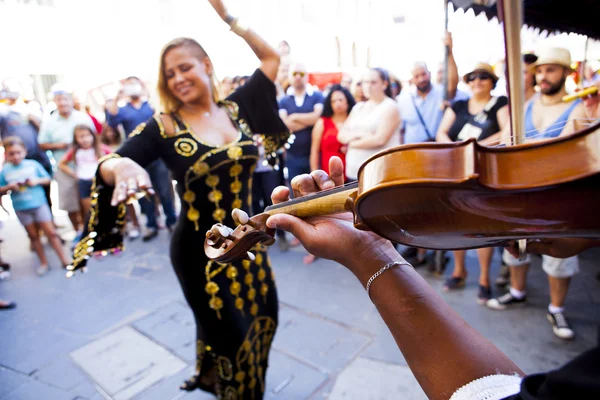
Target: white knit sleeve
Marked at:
493, 387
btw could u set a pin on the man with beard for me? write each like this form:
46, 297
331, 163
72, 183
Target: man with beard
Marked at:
130, 116
546, 116
421, 109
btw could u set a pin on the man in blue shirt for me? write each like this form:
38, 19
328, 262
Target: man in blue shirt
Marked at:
300, 110
421, 109
422, 105
135, 112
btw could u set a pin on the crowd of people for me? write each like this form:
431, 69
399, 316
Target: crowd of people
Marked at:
229, 144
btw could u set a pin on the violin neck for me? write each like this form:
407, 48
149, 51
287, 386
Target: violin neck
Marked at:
323, 203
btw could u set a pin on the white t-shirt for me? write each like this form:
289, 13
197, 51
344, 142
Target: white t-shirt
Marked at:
367, 121
56, 129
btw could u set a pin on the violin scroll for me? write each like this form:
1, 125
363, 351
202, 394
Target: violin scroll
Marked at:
225, 245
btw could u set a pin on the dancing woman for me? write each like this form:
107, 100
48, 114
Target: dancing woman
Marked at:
207, 144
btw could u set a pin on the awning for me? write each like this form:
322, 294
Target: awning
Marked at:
578, 16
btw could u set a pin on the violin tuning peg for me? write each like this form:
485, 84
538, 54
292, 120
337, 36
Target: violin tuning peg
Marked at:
249, 256
240, 216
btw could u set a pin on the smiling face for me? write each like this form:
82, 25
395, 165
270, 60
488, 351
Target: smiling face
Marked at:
480, 82
186, 74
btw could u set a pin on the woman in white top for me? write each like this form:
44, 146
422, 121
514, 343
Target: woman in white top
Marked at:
373, 125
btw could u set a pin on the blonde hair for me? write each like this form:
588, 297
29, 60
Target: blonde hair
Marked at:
169, 103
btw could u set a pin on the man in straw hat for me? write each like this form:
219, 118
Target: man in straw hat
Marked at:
546, 116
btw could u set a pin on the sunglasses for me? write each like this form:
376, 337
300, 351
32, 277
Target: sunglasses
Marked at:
301, 74
482, 76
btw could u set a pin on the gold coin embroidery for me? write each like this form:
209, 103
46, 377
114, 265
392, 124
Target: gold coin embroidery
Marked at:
237, 203
235, 187
200, 168
219, 214
234, 152
186, 147
189, 196
212, 180
215, 196
193, 214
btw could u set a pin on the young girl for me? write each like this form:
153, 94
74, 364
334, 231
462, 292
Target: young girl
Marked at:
111, 137
84, 153
24, 179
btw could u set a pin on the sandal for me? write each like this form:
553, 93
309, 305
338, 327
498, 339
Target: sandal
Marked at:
454, 282
201, 382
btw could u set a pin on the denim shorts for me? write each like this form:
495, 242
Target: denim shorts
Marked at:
85, 188
39, 214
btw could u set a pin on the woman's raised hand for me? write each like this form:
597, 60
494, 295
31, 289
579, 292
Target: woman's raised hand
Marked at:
220, 9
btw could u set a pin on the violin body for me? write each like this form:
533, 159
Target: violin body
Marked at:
464, 195
454, 196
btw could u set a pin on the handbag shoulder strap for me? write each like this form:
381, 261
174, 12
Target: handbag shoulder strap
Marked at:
432, 138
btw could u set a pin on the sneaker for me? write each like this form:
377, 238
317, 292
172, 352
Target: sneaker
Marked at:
42, 270
504, 301
484, 294
503, 277
152, 233
133, 233
560, 326
454, 282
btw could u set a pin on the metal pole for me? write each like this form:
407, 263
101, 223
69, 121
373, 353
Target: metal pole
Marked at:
511, 14
446, 54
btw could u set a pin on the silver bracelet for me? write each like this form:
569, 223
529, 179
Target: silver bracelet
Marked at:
381, 271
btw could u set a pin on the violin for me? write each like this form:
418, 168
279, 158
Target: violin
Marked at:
451, 196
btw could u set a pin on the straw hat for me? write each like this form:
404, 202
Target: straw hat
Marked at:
482, 67
554, 55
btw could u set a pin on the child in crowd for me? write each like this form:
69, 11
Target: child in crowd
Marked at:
111, 137
24, 179
85, 152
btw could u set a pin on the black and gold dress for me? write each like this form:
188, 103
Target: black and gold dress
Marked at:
235, 305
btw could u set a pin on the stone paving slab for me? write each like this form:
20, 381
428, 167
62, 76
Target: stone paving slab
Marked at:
63, 374
291, 379
174, 327
125, 363
35, 390
319, 342
10, 381
373, 380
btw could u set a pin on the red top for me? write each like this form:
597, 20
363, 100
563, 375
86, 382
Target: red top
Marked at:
329, 144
